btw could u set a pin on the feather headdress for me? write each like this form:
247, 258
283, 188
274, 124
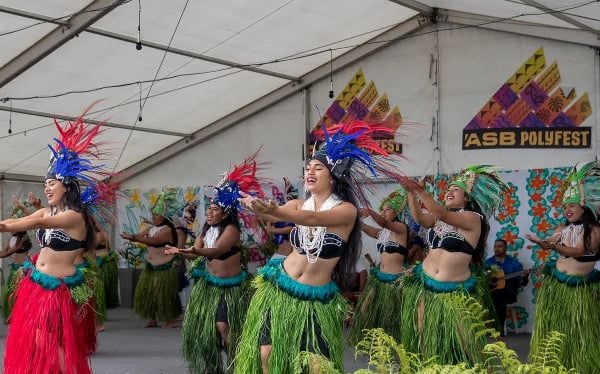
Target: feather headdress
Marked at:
242, 177
582, 186
482, 185
397, 200
75, 155
351, 153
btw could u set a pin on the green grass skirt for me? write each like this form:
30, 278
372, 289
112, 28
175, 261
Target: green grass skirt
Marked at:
434, 319
292, 309
96, 284
201, 339
573, 310
156, 294
8, 291
99, 296
379, 305
109, 271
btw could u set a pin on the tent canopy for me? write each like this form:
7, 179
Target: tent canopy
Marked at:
206, 65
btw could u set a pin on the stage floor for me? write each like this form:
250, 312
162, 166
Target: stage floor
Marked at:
125, 347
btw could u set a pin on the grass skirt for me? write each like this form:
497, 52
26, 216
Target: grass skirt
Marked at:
570, 305
8, 291
433, 322
90, 311
292, 309
156, 296
379, 305
42, 333
109, 272
201, 339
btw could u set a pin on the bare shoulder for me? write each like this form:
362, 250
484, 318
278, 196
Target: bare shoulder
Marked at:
346, 207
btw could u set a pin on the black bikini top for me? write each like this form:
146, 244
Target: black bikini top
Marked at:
573, 233
101, 247
588, 256
224, 256
392, 247
385, 245
333, 245
446, 237
58, 240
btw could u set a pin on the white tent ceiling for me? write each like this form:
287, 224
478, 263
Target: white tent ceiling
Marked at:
206, 65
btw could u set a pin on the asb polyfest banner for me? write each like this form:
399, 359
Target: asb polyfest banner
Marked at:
532, 110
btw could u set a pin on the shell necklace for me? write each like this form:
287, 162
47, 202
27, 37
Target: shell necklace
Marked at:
311, 237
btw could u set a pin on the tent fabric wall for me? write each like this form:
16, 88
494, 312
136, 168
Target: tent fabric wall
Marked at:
472, 65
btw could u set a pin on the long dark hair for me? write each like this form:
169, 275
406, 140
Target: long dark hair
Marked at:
588, 219
72, 200
479, 254
347, 263
230, 219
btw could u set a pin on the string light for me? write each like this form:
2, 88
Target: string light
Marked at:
330, 73
138, 45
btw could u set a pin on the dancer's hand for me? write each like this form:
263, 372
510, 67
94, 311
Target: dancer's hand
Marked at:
257, 205
170, 250
534, 239
363, 213
126, 236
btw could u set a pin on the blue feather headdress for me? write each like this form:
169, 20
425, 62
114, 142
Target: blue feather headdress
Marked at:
73, 156
352, 155
242, 177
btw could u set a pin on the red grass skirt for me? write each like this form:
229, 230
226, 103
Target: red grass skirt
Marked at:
86, 327
42, 336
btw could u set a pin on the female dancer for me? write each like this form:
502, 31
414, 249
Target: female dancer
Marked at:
17, 247
297, 307
156, 298
567, 301
456, 237
219, 300
107, 263
42, 336
380, 303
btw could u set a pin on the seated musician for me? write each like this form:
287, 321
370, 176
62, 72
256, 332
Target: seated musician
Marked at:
505, 284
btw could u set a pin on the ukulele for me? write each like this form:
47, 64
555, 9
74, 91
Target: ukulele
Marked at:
498, 279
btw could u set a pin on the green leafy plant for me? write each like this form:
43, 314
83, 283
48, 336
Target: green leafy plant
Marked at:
386, 356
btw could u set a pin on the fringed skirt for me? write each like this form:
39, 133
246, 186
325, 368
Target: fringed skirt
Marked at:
444, 319
90, 310
569, 304
42, 337
108, 266
8, 291
213, 299
379, 305
290, 317
156, 296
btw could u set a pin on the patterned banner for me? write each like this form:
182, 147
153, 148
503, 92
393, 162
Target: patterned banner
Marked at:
531, 110
363, 102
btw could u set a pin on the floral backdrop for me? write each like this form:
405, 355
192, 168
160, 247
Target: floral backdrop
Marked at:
532, 205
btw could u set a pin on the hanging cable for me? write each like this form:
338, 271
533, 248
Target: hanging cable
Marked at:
297, 56
10, 119
138, 45
330, 73
140, 108
143, 104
